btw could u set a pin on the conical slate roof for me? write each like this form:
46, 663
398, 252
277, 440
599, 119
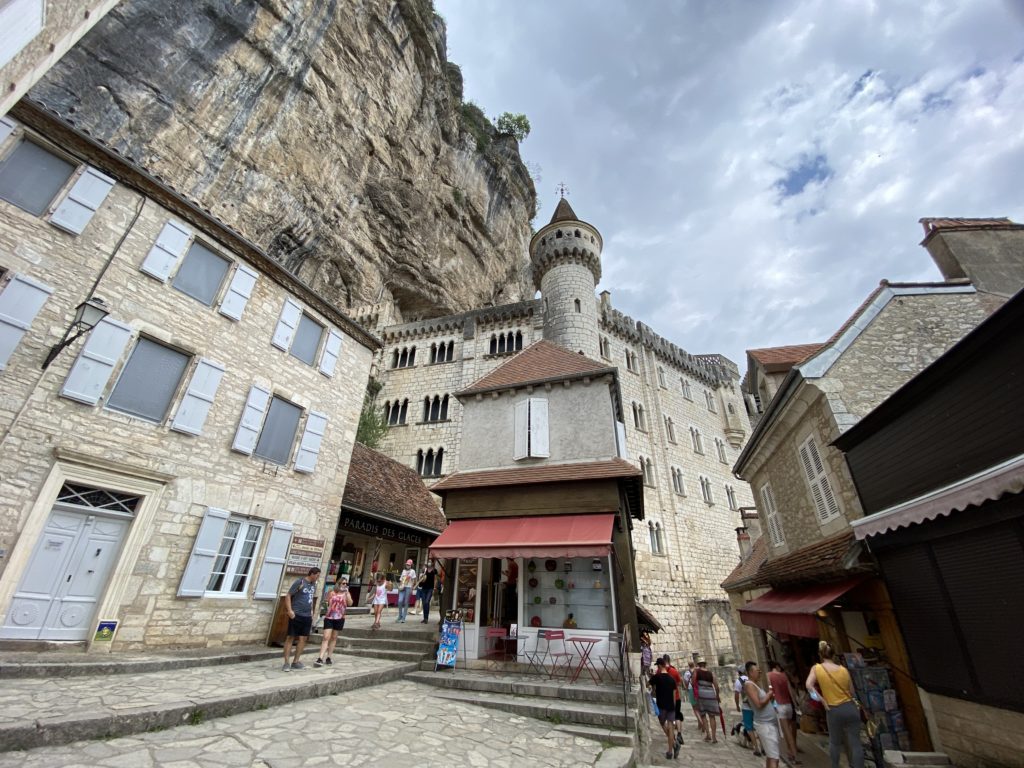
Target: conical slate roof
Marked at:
564, 212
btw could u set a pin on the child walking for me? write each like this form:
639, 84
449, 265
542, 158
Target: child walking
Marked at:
380, 599
334, 620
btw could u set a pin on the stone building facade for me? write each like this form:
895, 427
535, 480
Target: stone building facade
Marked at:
684, 419
156, 470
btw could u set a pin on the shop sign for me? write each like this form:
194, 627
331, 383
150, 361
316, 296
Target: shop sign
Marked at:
304, 554
350, 521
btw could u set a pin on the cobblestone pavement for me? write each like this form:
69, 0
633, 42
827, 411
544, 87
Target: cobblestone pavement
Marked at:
398, 723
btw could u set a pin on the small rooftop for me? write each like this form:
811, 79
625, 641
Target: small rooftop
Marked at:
563, 212
744, 573
381, 485
783, 358
540, 362
933, 225
547, 473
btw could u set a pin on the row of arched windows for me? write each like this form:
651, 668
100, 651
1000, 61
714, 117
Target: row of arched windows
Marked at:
396, 411
443, 352
429, 462
657, 534
503, 343
435, 409
639, 417
404, 357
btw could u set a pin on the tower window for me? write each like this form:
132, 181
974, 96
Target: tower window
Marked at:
576, 303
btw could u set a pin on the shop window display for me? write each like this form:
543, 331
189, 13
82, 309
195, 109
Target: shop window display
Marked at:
465, 591
556, 588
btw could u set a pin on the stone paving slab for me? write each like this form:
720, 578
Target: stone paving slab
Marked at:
67, 664
39, 712
400, 723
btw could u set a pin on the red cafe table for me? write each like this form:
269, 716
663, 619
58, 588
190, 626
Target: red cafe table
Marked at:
584, 646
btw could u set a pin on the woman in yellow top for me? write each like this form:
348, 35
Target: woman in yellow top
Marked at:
832, 683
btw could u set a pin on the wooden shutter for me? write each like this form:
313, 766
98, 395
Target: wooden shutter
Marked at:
91, 370
539, 441
821, 490
291, 313
20, 302
273, 561
521, 449
7, 127
771, 517
82, 201
252, 419
620, 440
332, 349
309, 445
195, 405
204, 553
237, 296
168, 248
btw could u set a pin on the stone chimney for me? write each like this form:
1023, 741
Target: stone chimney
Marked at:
988, 252
743, 539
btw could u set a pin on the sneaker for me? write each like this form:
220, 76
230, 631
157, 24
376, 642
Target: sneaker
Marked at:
679, 738
328, 662
287, 667
675, 752
668, 755
298, 665
318, 663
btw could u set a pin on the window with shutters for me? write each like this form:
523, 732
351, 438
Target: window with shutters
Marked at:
531, 429
301, 336
268, 428
149, 381
201, 274
396, 412
771, 517
429, 463
825, 503
278, 434
233, 564
307, 339
21, 298
31, 177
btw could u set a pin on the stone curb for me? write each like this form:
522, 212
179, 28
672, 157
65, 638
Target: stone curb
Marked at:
105, 725
89, 666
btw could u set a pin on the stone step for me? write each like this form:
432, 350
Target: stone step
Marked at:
65, 664
604, 735
521, 685
52, 712
424, 647
617, 757
421, 633
411, 657
557, 711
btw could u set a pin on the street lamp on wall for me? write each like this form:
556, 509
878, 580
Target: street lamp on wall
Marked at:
87, 315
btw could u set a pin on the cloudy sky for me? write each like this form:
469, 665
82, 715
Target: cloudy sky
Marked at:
756, 167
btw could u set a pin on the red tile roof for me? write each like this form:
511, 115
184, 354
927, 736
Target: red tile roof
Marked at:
548, 473
932, 225
379, 484
743, 573
822, 560
775, 359
541, 361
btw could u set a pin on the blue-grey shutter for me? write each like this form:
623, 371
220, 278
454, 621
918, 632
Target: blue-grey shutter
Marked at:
168, 248
273, 561
195, 405
309, 445
82, 201
91, 370
20, 302
204, 553
252, 419
332, 349
521, 446
620, 440
7, 127
291, 313
539, 442
242, 283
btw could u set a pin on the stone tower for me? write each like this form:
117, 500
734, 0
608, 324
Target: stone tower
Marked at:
565, 257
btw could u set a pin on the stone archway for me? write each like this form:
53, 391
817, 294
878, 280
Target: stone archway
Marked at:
718, 631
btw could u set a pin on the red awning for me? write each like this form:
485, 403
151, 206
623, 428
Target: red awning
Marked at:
793, 611
543, 536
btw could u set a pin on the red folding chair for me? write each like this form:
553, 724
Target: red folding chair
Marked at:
494, 633
560, 659
536, 658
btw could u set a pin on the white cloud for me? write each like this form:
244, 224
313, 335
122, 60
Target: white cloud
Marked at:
673, 125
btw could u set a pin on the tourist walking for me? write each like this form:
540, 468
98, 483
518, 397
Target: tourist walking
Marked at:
646, 655
298, 603
427, 579
378, 600
674, 674
692, 696
743, 707
766, 719
833, 684
406, 580
664, 688
709, 702
779, 683
338, 600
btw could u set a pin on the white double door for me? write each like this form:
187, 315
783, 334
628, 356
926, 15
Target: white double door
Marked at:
66, 576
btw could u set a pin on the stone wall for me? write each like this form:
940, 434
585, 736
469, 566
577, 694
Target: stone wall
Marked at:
47, 437
333, 135
974, 735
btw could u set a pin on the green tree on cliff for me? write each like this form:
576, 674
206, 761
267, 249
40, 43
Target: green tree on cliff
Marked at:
514, 124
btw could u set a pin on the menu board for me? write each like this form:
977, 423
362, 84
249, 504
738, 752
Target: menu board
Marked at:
448, 648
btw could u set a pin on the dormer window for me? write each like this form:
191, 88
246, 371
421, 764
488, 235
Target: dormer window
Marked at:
531, 429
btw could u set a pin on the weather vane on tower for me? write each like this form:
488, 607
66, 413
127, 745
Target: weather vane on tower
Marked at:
562, 189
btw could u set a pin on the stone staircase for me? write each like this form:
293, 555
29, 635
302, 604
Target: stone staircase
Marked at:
408, 643
589, 711
898, 759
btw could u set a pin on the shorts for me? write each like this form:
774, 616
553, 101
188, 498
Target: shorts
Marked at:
785, 711
768, 735
379, 602
300, 626
748, 720
666, 716
335, 624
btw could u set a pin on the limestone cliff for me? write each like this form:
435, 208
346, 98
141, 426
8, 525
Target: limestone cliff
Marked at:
332, 134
